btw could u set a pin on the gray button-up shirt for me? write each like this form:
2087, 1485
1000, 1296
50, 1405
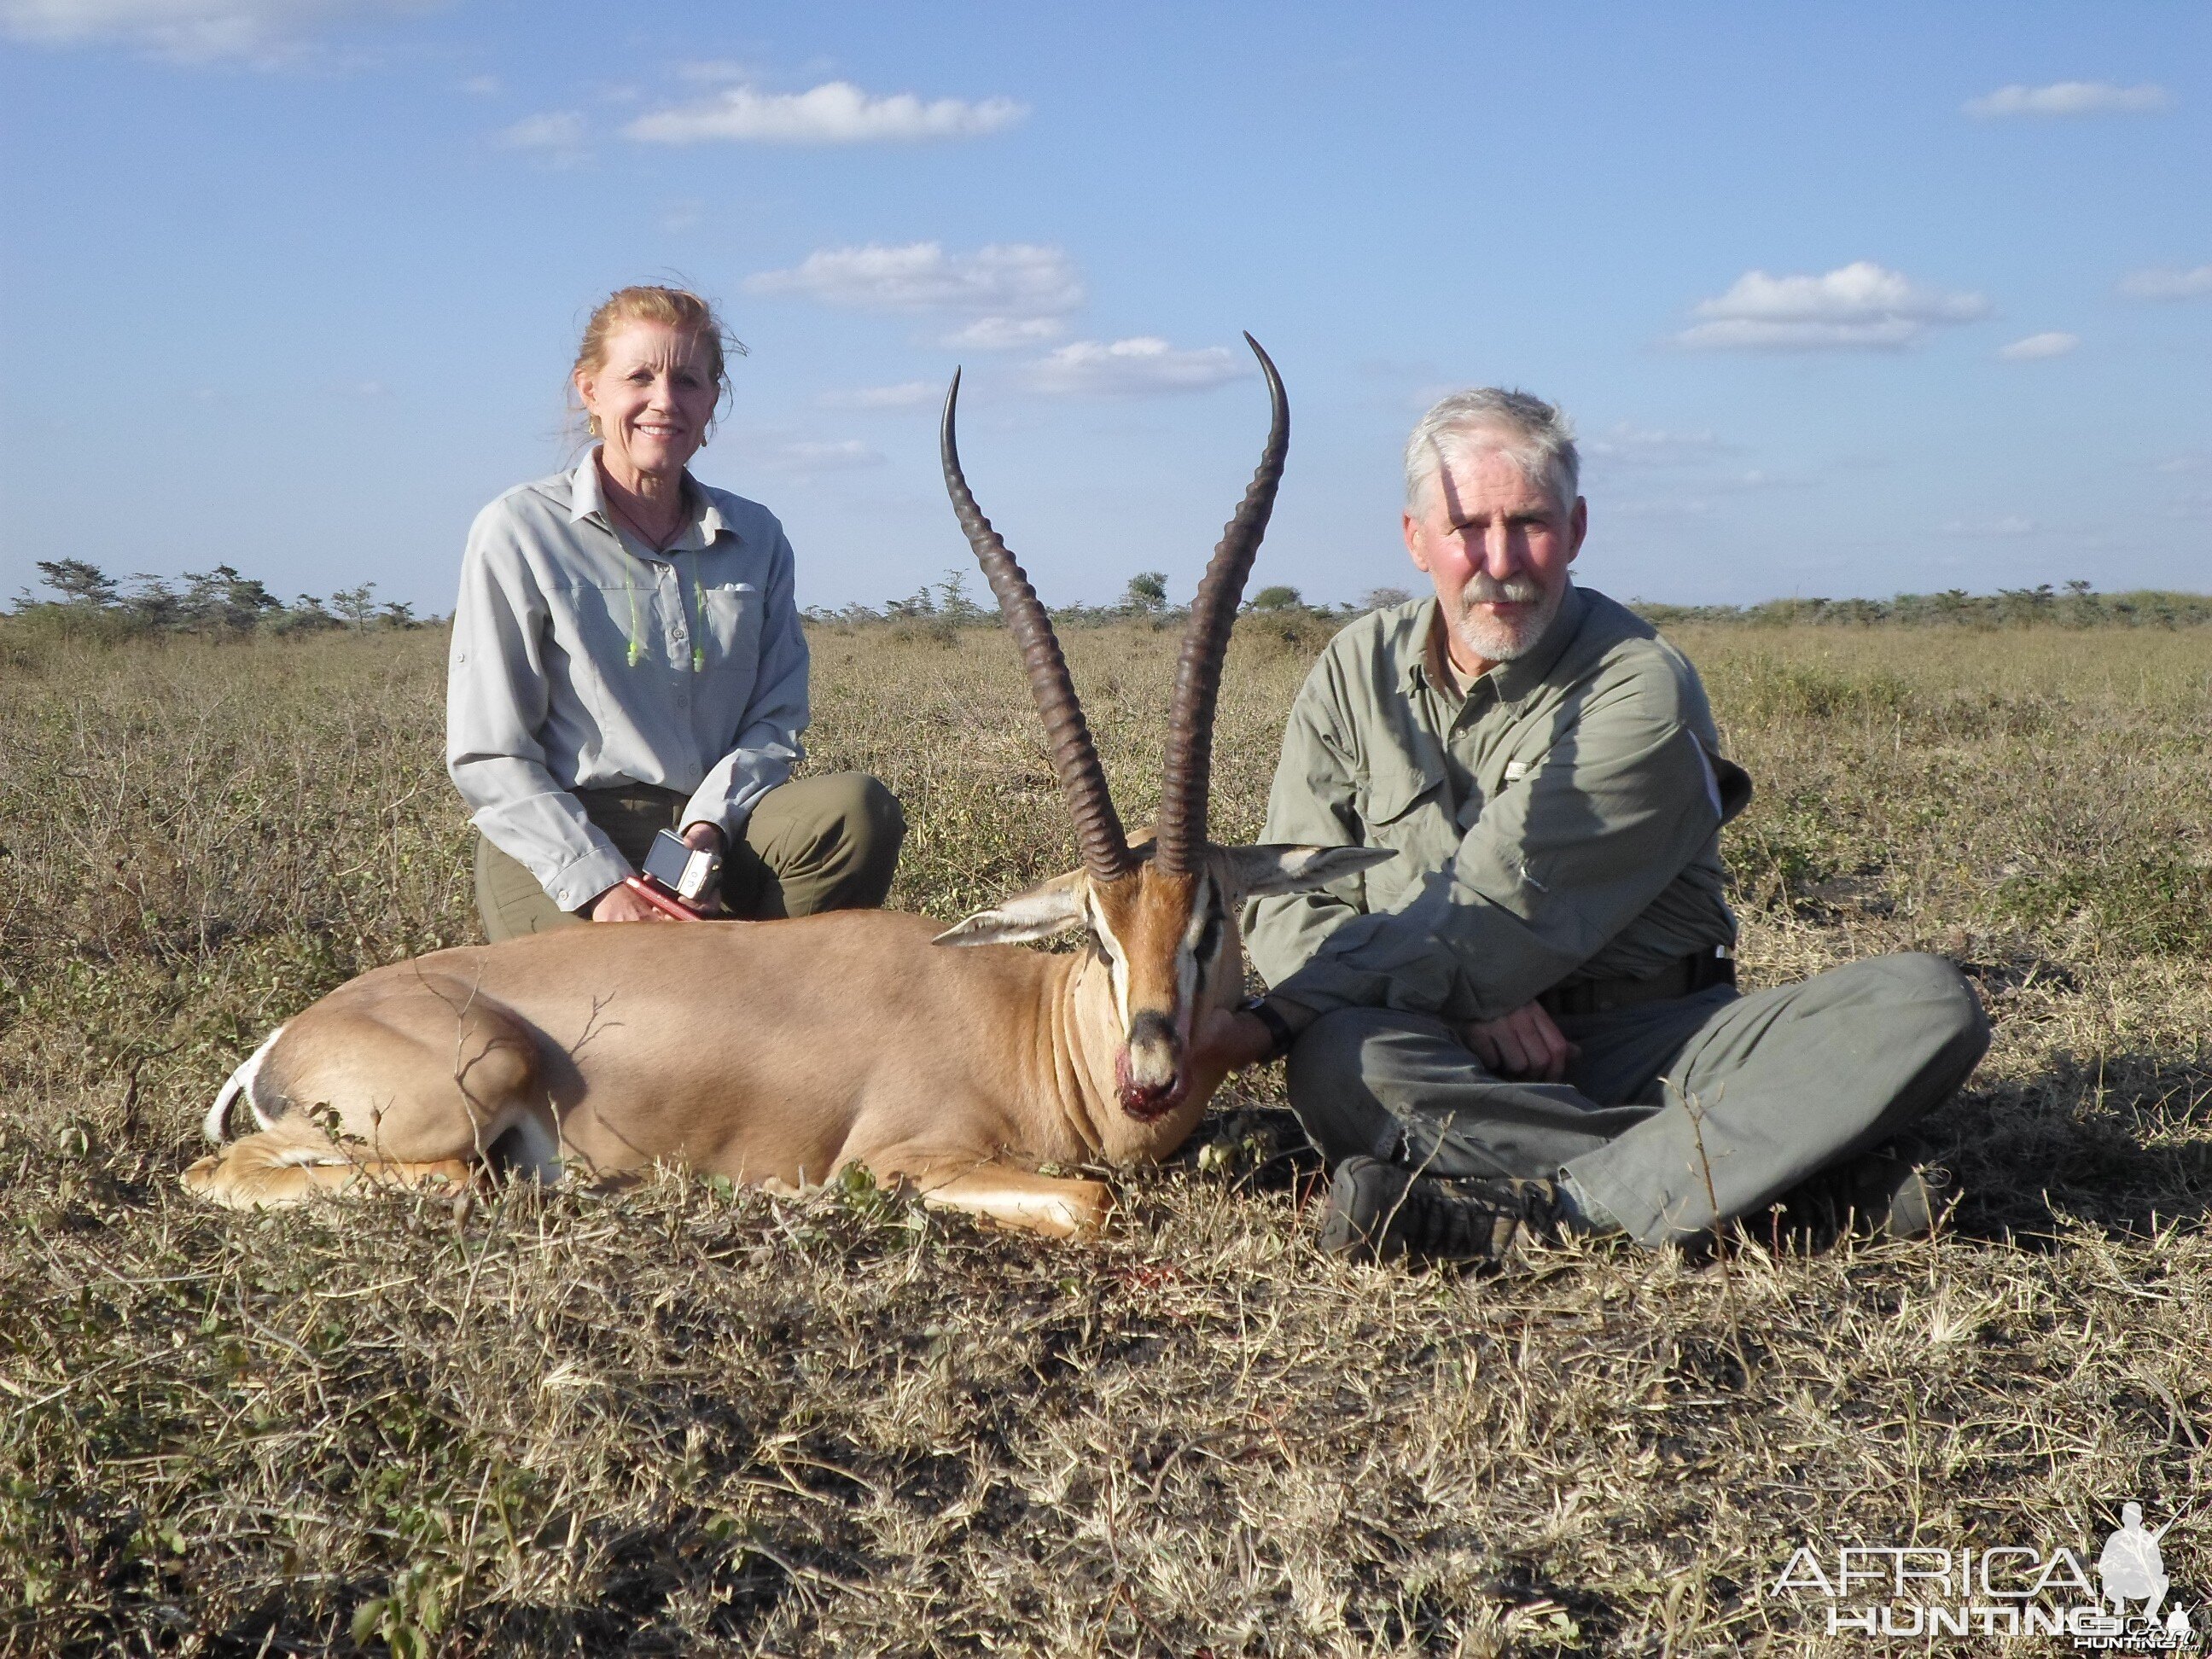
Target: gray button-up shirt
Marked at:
582, 658
1557, 823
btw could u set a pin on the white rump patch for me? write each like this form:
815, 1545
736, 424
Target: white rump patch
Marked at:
241, 1082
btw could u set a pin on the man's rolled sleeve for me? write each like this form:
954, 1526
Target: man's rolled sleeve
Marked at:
497, 697
767, 747
1553, 869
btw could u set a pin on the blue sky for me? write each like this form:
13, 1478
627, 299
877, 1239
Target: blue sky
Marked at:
1844, 300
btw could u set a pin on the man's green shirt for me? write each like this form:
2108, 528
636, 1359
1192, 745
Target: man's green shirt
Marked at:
1560, 823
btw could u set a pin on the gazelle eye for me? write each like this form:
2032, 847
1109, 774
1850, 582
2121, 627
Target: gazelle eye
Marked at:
1209, 941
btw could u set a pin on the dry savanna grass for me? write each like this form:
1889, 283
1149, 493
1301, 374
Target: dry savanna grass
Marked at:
689, 1420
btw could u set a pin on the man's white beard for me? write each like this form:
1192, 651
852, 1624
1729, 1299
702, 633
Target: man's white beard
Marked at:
1493, 639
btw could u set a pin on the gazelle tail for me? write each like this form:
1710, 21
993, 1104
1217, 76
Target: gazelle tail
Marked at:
241, 1082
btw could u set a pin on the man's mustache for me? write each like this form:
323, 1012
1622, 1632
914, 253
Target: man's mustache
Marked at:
1483, 588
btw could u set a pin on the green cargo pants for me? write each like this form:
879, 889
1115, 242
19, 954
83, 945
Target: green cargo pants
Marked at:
1677, 1115
818, 843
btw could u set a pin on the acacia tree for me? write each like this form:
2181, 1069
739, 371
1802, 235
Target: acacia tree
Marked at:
78, 582
1147, 593
355, 604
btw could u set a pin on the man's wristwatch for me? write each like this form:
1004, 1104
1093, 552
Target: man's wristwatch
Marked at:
1279, 1034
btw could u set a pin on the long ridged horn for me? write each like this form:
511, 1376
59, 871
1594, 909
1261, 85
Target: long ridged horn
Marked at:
1190, 767
1097, 829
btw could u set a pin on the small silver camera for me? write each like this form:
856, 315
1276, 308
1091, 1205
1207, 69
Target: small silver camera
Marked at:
689, 872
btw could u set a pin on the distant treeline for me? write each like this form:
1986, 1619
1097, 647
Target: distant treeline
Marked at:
945, 606
2073, 606
87, 601
220, 601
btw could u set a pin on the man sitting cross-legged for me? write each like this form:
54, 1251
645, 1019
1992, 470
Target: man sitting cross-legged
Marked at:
1527, 1020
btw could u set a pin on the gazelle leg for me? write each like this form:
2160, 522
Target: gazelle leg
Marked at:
1057, 1207
296, 1161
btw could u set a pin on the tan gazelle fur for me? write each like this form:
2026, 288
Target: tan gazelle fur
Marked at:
782, 1052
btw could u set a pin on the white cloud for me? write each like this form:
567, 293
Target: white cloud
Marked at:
558, 134
1137, 367
1859, 306
483, 85
835, 113
2067, 97
2187, 461
1633, 445
265, 33
1003, 333
1011, 291
803, 459
2168, 283
907, 394
1756, 477
1662, 508
2036, 347
1980, 529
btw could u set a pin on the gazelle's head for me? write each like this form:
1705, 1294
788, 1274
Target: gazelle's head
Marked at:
1166, 942
1161, 917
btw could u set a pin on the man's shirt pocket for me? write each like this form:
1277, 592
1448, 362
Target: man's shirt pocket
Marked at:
1408, 810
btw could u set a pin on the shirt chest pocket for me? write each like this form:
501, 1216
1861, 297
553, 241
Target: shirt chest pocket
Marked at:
730, 621
613, 623
1409, 810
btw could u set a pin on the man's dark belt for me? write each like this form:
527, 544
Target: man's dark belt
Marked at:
1687, 975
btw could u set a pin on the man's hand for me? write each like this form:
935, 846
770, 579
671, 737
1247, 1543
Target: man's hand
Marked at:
620, 902
1227, 1040
1521, 1044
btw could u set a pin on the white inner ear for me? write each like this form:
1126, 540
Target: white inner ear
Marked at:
1041, 913
1263, 872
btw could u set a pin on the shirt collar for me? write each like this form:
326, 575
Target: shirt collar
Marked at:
584, 497
1511, 680
1415, 676
586, 501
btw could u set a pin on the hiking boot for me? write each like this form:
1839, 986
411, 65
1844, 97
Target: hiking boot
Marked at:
1896, 1192
1378, 1211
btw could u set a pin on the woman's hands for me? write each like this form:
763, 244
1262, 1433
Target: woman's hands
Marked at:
622, 902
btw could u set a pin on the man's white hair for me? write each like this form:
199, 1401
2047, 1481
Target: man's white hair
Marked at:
1535, 436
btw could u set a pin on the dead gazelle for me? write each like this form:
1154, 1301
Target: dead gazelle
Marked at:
786, 1050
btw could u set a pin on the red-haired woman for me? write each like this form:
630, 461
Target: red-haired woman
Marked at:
626, 658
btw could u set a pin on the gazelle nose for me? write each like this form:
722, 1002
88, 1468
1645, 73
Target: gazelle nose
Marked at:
1151, 1068
1154, 1050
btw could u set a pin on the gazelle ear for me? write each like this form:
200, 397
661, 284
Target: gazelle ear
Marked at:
1263, 872
1052, 908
